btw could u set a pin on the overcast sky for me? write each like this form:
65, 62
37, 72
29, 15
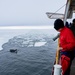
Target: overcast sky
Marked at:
28, 12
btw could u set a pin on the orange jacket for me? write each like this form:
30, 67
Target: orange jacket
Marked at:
67, 39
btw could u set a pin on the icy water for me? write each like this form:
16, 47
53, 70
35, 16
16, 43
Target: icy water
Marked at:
35, 52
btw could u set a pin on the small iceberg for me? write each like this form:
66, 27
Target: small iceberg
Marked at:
38, 44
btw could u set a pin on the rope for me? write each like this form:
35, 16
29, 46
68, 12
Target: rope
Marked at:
58, 10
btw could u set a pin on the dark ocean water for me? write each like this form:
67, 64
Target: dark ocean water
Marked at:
27, 60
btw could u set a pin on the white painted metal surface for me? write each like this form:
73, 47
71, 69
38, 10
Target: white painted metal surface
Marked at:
57, 69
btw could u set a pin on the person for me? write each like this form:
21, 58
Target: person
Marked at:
66, 46
72, 27
67, 24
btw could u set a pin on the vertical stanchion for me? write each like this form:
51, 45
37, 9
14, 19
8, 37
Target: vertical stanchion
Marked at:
57, 67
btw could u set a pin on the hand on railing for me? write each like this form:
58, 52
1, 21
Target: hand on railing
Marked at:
60, 48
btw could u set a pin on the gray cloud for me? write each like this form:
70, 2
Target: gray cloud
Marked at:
27, 12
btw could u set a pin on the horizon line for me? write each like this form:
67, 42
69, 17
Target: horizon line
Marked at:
26, 27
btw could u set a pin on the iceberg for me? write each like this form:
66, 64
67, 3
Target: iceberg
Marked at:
38, 44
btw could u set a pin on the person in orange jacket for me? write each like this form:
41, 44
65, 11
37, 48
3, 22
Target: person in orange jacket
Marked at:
66, 46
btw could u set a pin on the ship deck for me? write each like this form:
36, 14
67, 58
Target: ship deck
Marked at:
73, 68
